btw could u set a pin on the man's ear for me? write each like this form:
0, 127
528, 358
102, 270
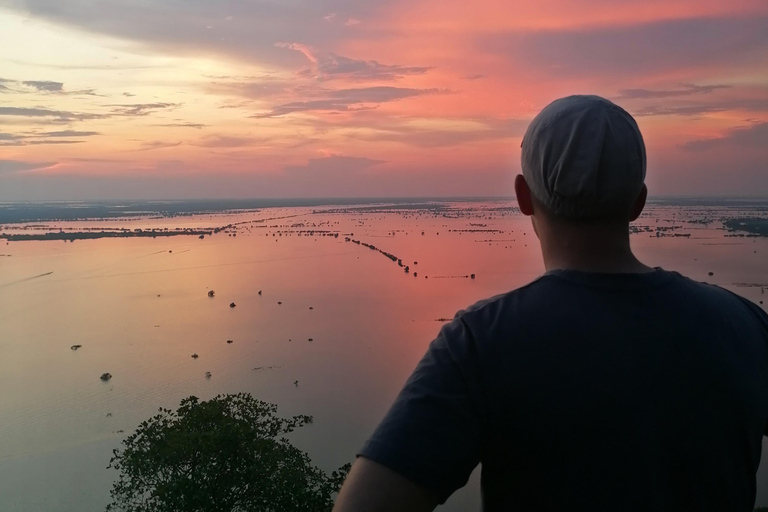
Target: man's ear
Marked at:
523, 194
637, 208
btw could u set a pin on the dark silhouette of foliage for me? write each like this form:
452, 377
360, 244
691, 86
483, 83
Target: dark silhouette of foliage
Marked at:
227, 454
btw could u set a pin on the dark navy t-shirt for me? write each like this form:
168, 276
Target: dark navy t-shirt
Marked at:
593, 392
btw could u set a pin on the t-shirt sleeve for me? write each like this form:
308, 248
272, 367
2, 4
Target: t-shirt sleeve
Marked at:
762, 318
433, 433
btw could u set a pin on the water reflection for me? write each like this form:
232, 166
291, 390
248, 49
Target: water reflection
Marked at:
322, 326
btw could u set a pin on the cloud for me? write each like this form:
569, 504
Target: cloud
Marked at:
11, 166
31, 139
336, 164
347, 100
223, 141
256, 89
753, 137
158, 144
309, 106
234, 77
69, 67
67, 133
330, 66
241, 29
38, 142
695, 109
379, 94
57, 115
687, 90
239, 104
41, 86
44, 85
464, 131
634, 51
182, 125
140, 109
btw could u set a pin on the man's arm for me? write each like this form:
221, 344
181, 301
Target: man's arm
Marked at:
432, 437
371, 487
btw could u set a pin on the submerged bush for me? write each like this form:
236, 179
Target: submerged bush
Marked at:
227, 454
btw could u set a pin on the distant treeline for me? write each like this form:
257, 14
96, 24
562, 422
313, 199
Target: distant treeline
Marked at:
754, 226
15, 212
88, 235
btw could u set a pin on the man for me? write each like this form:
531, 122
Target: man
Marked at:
604, 385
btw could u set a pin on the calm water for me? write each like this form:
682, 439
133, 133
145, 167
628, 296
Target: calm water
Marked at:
140, 308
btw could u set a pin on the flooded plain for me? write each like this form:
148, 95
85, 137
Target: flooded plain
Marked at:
333, 307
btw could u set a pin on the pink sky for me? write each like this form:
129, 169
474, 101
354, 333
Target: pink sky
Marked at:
313, 98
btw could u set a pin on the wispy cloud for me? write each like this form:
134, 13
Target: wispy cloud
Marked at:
68, 67
57, 115
5, 88
454, 132
754, 136
334, 164
225, 141
37, 142
44, 85
140, 109
237, 104
685, 90
67, 133
182, 125
158, 144
41, 86
695, 109
329, 66
346, 100
11, 166
38, 138
133, 110
632, 51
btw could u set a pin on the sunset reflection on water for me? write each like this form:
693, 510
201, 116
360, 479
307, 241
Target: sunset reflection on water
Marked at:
140, 308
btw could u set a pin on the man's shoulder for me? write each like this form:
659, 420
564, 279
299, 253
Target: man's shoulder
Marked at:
736, 301
493, 316
549, 293
722, 296
495, 303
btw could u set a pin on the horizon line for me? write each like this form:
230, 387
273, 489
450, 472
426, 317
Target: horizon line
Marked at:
354, 198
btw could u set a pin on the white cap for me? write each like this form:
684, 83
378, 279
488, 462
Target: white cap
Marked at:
583, 157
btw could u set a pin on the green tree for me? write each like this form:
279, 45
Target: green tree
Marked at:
227, 454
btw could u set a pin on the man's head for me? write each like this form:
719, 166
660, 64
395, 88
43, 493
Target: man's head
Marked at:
583, 161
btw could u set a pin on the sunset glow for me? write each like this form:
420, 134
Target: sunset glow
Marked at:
330, 98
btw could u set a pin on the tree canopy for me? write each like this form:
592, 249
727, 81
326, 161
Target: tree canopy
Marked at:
227, 454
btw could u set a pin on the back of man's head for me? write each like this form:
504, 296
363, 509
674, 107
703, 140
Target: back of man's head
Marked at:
583, 159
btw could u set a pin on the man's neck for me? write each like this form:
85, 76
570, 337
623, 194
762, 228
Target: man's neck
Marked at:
589, 249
